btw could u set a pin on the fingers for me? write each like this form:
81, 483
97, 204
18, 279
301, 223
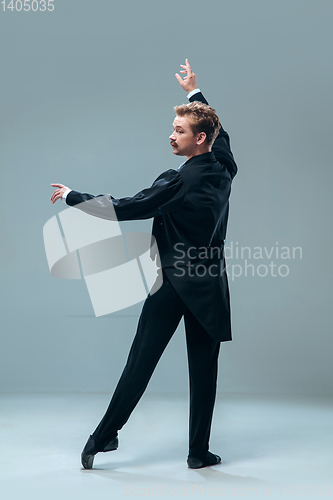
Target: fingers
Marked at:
189, 81
58, 185
188, 67
56, 195
179, 78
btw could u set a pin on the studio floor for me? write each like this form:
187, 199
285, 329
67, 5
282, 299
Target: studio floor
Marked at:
271, 446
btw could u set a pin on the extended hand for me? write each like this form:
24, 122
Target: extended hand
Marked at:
57, 195
190, 81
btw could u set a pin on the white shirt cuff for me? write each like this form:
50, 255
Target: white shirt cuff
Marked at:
195, 91
64, 196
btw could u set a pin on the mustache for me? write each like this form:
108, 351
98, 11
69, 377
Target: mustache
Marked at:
173, 143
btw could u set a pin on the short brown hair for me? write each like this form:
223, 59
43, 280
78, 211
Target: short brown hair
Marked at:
202, 118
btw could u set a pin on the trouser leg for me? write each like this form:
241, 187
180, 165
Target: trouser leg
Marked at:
159, 319
203, 353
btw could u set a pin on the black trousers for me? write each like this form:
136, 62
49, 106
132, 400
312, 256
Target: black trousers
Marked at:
160, 316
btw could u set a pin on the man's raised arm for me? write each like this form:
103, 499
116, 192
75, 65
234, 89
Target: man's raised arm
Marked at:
221, 146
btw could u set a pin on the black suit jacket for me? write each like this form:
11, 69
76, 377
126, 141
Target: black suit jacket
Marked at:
190, 209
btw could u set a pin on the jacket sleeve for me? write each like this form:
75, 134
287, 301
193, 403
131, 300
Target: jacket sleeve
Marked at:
166, 194
221, 146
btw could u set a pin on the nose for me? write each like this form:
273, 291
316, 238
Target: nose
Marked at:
172, 137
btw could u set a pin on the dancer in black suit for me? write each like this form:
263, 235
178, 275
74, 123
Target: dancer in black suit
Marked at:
190, 209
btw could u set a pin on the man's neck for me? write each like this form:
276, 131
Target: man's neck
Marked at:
199, 151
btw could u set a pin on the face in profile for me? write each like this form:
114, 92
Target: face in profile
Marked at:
182, 139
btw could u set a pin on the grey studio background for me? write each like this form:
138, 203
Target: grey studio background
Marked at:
87, 96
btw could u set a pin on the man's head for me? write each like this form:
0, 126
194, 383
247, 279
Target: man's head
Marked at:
195, 128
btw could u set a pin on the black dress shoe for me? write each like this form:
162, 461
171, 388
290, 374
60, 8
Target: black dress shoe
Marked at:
112, 445
89, 451
198, 463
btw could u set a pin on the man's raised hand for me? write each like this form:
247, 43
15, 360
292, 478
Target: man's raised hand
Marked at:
190, 81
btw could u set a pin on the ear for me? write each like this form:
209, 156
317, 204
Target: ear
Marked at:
201, 138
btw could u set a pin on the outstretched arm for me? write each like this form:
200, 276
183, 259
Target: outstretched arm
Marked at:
221, 146
166, 194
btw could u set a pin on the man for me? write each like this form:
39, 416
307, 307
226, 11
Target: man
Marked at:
190, 210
